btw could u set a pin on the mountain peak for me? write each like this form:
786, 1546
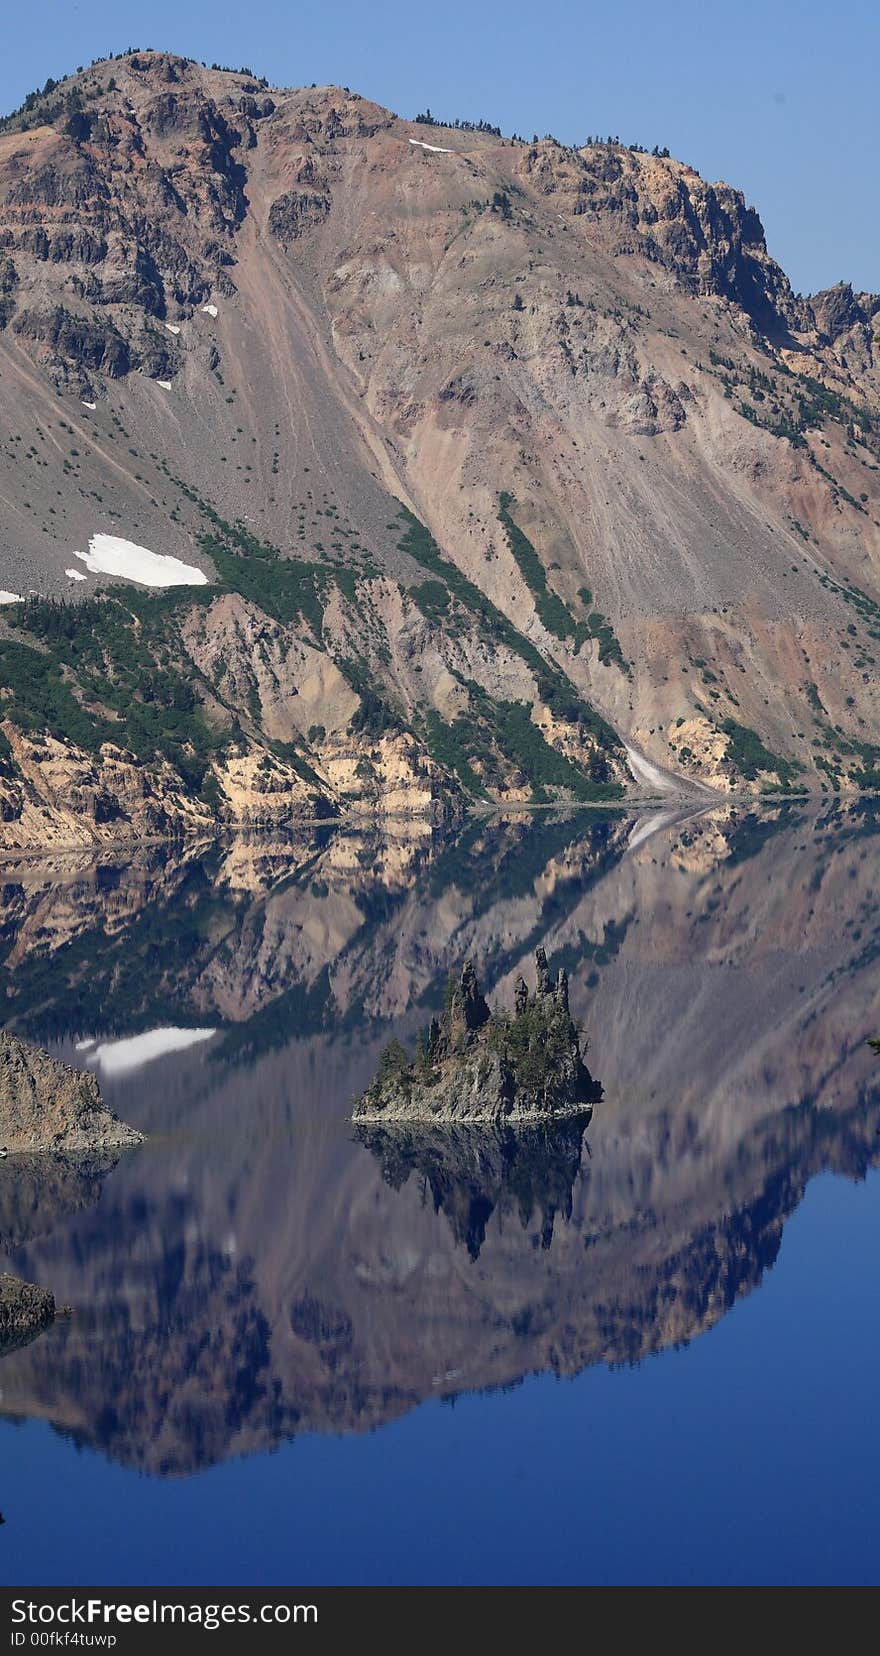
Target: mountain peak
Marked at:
505, 467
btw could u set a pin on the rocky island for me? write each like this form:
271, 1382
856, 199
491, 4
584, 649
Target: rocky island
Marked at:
475, 1065
45, 1104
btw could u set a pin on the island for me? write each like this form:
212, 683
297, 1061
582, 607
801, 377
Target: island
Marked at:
476, 1065
47, 1105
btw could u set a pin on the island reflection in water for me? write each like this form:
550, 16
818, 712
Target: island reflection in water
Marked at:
258, 1269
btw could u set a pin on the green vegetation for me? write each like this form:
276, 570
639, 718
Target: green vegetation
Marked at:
554, 689
537, 1044
34, 695
505, 728
533, 1042
393, 1061
550, 608
747, 752
107, 670
523, 743
600, 628
432, 598
454, 746
793, 407
553, 613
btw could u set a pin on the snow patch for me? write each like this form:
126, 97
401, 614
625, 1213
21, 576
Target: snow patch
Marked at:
165, 384
210, 310
75, 575
436, 149
110, 555
172, 328
85, 404
644, 771
114, 1058
11, 598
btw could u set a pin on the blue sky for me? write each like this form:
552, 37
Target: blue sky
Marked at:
777, 97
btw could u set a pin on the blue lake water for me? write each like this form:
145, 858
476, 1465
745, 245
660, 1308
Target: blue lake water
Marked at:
295, 1357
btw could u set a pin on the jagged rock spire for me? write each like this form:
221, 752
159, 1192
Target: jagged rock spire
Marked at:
476, 1010
520, 995
468, 1010
542, 974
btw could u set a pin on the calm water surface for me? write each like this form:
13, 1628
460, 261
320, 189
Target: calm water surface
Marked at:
646, 1352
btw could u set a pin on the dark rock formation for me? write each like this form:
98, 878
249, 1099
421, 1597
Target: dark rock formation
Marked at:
47, 1105
24, 1312
87, 343
476, 1065
297, 212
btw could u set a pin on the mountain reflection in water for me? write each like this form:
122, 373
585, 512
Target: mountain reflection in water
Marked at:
472, 1172
258, 1269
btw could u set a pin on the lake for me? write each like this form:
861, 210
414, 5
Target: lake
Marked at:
641, 1352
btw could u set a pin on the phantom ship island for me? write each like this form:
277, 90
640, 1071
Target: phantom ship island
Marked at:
475, 1065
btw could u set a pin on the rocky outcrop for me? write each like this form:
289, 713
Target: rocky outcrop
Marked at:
47, 1105
25, 1311
295, 213
476, 1065
53, 793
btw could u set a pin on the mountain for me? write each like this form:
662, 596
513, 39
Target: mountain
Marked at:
495, 468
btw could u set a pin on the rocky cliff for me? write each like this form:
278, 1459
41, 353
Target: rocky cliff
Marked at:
477, 1065
524, 457
47, 1105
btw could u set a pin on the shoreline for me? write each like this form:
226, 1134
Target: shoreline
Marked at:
667, 801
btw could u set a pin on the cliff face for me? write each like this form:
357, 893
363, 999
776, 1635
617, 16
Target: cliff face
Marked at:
47, 1105
521, 452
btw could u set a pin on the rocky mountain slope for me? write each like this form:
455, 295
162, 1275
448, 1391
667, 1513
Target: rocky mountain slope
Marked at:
512, 468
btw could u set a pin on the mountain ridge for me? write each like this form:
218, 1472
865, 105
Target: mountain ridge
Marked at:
528, 458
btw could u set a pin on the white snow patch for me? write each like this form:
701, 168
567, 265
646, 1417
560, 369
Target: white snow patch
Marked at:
114, 1058
165, 384
85, 404
436, 149
11, 598
110, 555
172, 328
644, 771
75, 575
210, 310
